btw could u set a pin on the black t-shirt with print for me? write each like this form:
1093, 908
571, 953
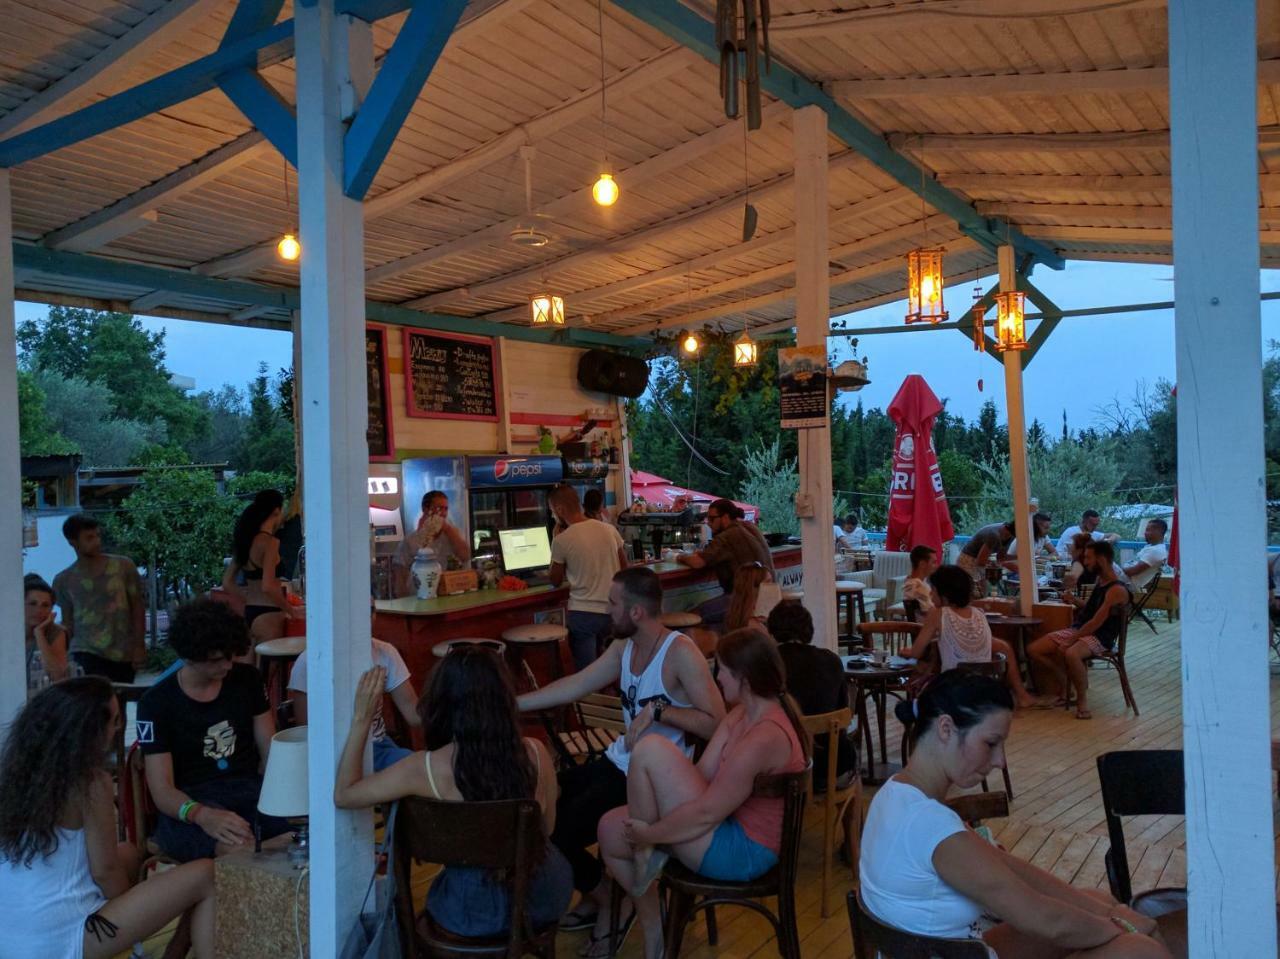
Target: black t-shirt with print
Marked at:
207, 741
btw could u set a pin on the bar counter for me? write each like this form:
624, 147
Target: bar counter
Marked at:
414, 626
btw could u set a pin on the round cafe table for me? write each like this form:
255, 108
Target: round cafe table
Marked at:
1020, 628
877, 684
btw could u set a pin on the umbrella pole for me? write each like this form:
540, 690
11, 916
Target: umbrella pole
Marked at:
1018, 451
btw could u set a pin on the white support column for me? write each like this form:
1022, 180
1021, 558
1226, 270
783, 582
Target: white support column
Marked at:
1226, 732
1018, 449
809, 135
13, 668
334, 417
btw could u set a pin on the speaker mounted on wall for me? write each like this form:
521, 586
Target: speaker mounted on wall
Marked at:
617, 374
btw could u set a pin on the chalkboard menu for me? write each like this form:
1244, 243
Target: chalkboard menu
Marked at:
450, 376
378, 433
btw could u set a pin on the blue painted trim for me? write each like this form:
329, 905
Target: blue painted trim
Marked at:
30, 258
1047, 324
698, 34
265, 109
371, 10
146, 98
251, 16
400, 79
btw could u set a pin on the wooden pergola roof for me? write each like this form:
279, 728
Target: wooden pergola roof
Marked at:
1043, 119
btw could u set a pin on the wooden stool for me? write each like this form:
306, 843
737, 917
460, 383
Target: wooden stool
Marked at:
848, 593
680, 620
275, 658
793, 595
441, 650
532, 636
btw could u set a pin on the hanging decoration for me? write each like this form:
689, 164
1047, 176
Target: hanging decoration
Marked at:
924, 286
605, 190
745, 351
1010, 321
547, 309
753, 41
979, 317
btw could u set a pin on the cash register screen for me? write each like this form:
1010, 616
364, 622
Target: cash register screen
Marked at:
525, 548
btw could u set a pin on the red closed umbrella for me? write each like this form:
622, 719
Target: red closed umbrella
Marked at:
918, 513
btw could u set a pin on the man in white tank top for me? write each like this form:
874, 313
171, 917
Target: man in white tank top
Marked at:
666, 690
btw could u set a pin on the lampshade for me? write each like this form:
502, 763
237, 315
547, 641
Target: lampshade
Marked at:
547, 308
1011, 321
744, 350
924, 287
284, 785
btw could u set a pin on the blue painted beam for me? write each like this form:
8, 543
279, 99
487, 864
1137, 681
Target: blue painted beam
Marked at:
372, 10
400, 79
1052, 316
164, 91
265, 109
698, 34
33, 259
251, 16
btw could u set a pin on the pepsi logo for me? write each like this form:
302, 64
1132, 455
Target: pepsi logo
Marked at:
514, 469
500, 469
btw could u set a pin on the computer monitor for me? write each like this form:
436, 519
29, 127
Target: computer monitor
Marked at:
525, 549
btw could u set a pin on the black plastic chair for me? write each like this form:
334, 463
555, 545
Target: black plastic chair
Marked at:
872, 938
687, 892
502, 835
1140, 782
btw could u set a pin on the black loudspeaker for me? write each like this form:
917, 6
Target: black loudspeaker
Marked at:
614, 373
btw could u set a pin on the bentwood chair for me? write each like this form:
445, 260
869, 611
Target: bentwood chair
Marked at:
872, 937
687, 892
837, 801
896, 635
1140, 782
995, 669
504, 836
1115, 659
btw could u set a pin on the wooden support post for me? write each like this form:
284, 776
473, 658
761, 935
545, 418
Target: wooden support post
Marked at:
13, 668
809, 133
1018, 449
335, 464
1226, 732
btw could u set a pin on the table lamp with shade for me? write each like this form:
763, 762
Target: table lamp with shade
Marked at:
284, 788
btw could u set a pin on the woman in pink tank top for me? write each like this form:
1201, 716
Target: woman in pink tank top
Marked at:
705, 815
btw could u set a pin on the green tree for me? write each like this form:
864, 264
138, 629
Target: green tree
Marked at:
267, 442
82, 412
37, 433
771, 485
227, 416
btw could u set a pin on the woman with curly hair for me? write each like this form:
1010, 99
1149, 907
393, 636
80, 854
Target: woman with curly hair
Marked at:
65, 887
255, 554
474, 753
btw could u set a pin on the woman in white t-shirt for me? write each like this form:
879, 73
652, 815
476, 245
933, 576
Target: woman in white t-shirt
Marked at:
924, 871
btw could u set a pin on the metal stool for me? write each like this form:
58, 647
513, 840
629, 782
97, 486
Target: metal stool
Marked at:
441, 650
275, 658
849, 592
680, 620
532, 636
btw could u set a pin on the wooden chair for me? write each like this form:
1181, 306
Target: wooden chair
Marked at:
503, 835
996, 669
871, 938
974, 808
1140, 782
1137, 607
842, 802
125, 693
599, 724
1115, 658
911, 610
687, 892
897, 635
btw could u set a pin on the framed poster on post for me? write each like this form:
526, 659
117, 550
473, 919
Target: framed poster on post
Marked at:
450, 376
802, 387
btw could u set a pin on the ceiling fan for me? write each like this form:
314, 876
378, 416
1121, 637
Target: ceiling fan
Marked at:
533, 231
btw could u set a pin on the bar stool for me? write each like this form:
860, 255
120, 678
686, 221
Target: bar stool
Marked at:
849, 592
441, 650
680, 620
793, 595
528, 637
275, 659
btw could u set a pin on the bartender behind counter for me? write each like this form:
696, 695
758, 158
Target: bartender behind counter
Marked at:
733, 543
434, 532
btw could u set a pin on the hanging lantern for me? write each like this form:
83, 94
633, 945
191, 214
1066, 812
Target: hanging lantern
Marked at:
924, 286
1010, 321
605, 190
744, 350
289, 248
690, 344
547, 308
979, 327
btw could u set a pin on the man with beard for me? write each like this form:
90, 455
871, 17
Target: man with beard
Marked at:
667, 690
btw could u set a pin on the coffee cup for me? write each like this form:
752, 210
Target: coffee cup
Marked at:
878, 656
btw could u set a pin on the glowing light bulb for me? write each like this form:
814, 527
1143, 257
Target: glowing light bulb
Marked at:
690, 344
605, 190
928, 289
289, 248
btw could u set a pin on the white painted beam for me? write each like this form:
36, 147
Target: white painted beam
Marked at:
335, 465
1020, 84
148, 301
817, 544
688, 220
13, 667
249, 313
1226, 727
915, 16
104, 234
171, 21
240, 264
209, 167
579, 202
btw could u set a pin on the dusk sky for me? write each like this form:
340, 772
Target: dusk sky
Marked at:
1115, 351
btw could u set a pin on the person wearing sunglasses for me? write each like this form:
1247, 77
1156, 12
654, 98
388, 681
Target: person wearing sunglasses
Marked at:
734, 544
667, 693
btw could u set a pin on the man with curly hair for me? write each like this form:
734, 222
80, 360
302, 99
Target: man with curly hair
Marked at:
205, 731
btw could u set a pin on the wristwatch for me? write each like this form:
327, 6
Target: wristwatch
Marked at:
657, 711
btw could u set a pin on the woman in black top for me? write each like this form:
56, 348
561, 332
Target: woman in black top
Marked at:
255, 554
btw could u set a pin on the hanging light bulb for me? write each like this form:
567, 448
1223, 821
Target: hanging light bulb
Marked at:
289, 248
605, 190
745, 351
690, 344
547, 308
924, 286
1011, 321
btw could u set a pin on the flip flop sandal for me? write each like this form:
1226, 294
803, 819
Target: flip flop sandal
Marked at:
597, 947
577, 919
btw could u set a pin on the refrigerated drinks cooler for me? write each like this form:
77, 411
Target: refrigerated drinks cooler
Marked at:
508, 493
